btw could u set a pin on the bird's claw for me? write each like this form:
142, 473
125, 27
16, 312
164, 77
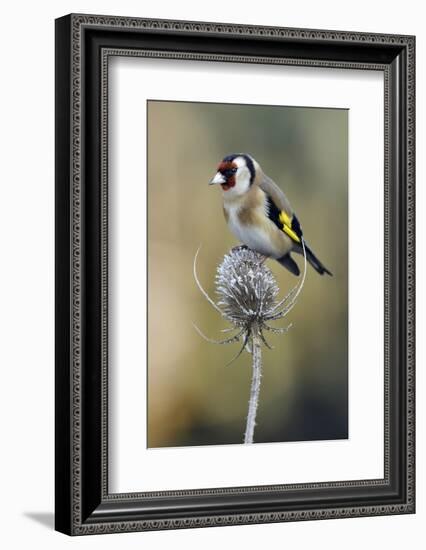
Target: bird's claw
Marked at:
262, 257
239, 247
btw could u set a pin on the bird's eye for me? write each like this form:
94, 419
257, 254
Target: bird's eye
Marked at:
229, 172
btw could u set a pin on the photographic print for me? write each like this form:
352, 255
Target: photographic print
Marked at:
247, 209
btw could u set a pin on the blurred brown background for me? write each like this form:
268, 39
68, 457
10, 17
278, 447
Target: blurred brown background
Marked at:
193, 398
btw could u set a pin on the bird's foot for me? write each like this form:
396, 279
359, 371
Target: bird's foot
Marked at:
239, 247
262, 257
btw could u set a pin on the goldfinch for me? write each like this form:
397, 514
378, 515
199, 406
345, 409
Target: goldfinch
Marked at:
259, 214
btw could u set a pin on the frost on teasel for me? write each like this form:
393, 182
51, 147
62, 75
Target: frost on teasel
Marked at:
248, 298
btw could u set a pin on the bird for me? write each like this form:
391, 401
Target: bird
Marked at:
259, 214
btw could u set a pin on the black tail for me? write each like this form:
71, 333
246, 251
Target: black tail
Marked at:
288, 262
315, 263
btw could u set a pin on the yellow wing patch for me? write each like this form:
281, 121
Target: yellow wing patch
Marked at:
286, 221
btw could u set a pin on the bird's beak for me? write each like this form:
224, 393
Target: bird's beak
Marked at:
218, 178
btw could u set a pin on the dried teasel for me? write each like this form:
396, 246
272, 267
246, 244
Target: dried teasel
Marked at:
248, 299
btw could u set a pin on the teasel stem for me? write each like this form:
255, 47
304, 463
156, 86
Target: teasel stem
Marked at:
256, 352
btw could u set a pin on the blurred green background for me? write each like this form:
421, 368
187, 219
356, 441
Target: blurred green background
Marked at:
193, 398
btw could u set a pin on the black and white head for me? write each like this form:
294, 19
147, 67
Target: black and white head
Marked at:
235, 174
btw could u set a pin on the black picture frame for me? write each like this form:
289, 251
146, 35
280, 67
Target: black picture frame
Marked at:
83, 45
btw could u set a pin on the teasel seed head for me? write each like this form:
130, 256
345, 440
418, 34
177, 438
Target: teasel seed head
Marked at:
246, 288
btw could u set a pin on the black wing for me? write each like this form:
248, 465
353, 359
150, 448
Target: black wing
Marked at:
285, 222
